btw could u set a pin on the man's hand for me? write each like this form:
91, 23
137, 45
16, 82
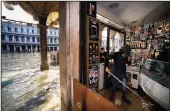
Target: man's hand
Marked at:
107, 69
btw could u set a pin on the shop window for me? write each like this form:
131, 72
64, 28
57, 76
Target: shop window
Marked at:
117, 42
51, 32
33, 39
28, 38
38, 39
15, 29
33, 31
3, 37
23, 39
104, 38
27, 30
10, 37
51, 40
9, 29
55, 40
22, 30
16, 38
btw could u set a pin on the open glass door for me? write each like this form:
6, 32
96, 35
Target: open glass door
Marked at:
116, 41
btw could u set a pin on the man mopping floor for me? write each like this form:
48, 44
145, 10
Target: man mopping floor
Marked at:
119, 69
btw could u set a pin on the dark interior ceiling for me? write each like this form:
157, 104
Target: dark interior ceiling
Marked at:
136, 13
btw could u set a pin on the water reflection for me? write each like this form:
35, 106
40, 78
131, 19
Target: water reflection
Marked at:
24, 87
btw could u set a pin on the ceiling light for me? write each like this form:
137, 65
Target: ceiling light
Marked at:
134, 22
8, 6
114, 5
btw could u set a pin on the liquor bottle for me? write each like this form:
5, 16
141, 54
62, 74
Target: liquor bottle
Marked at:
94, 58
91, 51
91, 59
149, 30
90, 78
153, 28
94, 48
138, 45
90, 9
93, 78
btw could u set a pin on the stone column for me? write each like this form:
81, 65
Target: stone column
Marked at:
20, 48
69, 51
43, 43
26, 48
13, 38
20, 39
14, 48
31, 48
36, 48
6, 38
7, 47
25, 39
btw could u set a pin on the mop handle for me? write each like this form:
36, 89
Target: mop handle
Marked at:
125, 85
128, 88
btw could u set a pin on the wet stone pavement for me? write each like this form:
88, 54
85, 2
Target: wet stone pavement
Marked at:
25, 88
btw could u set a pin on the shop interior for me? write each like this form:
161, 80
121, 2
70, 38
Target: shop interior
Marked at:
147, 67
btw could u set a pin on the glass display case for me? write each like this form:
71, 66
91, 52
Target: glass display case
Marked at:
154, 79
157, 71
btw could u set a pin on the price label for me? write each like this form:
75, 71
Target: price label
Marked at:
148, 84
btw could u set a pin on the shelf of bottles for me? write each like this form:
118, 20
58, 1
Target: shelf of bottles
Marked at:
137, 41
159, 29
138, 36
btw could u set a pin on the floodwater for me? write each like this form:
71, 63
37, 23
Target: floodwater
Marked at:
24, 87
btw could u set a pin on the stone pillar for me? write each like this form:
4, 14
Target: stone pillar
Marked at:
36, 48
7, 47
13, 38
25, 39
69, 51
31, 48
20, 39
20, 48
6, 38
43, 43
26, 48
14, 48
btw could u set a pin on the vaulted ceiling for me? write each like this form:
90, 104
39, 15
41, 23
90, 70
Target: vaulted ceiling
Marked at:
136, 13
38, 8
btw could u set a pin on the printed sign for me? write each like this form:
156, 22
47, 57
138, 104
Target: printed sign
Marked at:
148, 84
91, 9
93, 30
93, 53
93, 75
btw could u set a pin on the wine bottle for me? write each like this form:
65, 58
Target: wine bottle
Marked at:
149, 29
153, 28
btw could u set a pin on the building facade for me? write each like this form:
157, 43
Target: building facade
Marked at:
19, 36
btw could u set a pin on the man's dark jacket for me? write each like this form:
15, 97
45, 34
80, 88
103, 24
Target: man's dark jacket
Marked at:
119, 67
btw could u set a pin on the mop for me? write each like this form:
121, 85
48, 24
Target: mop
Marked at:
146, 106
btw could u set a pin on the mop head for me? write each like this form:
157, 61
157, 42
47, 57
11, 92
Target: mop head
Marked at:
146, 106
117, 102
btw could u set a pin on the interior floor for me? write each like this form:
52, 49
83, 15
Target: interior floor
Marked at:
136, 105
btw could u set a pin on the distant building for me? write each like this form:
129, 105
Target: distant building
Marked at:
24, 37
